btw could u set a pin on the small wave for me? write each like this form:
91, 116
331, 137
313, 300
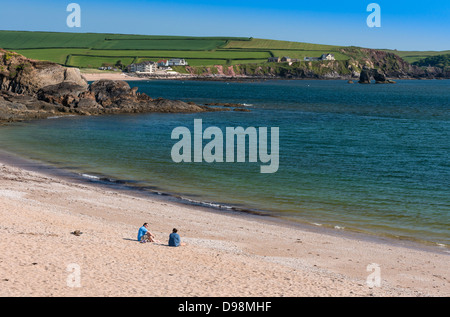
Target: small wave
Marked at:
207, 204
90, 176
339, 228
210, 204
103, 179
247, 105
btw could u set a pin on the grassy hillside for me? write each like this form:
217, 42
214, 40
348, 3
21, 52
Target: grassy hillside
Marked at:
91, 50
275, 44
442, 61
415, 56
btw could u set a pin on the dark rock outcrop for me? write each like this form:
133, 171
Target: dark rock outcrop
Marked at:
63, 93
105, 90
380, 77
365, 76
110, 97
16, 107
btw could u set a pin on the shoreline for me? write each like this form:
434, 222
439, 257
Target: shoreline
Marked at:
180, 76
106, 182
328, 263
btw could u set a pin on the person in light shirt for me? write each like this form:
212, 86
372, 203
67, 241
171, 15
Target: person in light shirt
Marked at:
144, 235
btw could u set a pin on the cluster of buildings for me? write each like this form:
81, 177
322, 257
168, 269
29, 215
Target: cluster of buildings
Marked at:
286, 59
152, 67
164, 65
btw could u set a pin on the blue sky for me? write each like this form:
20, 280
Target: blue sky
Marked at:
405, 25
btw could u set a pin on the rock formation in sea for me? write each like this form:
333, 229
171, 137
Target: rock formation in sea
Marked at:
31, 89
379, 77
365, 76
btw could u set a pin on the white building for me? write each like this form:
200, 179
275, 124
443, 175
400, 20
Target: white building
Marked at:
164, 63
327, 57
144, 67
324, 57
177, 62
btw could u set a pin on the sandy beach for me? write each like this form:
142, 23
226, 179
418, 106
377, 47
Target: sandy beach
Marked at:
93, 76
229, 255
109, 75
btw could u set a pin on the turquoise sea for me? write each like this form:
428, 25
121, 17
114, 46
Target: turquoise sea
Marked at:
370, 158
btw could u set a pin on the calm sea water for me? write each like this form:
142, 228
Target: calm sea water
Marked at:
371, 158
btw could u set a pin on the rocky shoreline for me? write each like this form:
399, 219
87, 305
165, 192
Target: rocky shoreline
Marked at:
31, 89
390, 65
366, 75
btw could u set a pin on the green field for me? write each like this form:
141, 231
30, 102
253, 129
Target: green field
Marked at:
167, 44
57, 55
14, 40
92, 50
275, 44
414, 56
96, 61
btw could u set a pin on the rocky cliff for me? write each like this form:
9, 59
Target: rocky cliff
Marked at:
36, 89
388, 64
26, 76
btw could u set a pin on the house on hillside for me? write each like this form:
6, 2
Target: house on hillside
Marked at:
285, 59
144, 67
163, 64
324, 57
327, 57
177, 62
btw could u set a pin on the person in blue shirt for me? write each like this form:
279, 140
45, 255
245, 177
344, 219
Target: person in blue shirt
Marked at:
144, 235
174, 239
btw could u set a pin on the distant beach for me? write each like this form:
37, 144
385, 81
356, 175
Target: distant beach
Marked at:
93, 76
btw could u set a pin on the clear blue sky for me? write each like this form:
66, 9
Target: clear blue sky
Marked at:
405, 25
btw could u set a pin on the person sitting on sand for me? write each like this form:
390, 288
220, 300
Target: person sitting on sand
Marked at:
144, 235
174, 239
